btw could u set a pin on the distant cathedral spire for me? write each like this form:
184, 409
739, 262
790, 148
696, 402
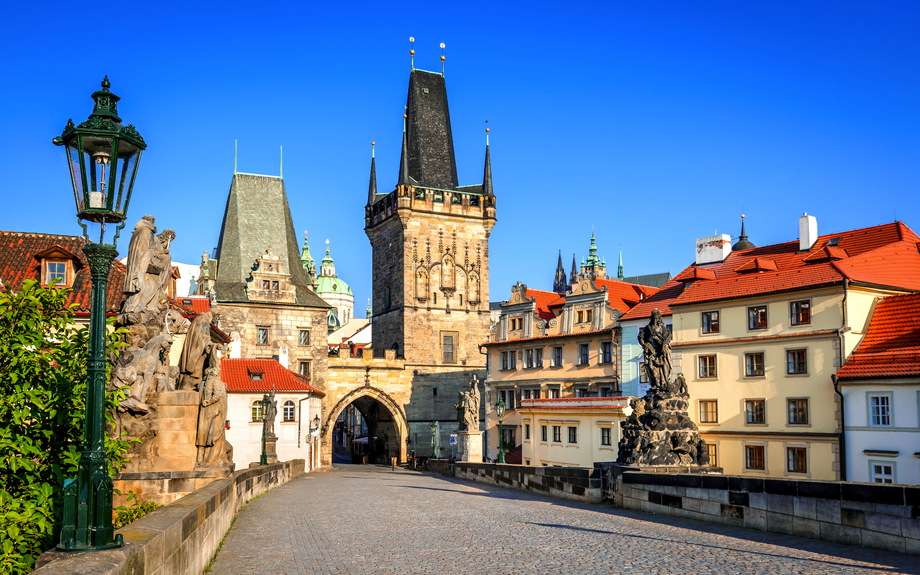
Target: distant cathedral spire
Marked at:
743, 242
404, 158
559, 285
620, 274
573, 277
487, 174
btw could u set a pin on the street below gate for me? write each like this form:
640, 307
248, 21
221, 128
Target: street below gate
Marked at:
362, 519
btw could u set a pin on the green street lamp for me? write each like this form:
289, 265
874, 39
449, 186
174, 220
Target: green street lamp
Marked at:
102, 161
500, 412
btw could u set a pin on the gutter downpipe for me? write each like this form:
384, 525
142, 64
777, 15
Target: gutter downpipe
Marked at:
843, 439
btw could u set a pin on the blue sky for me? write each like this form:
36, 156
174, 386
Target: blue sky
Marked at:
654, 122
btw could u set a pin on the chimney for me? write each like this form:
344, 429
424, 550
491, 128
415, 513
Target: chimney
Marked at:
283, 355
713, 249
808, 232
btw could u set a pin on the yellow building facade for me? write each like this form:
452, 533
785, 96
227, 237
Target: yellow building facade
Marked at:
571, 432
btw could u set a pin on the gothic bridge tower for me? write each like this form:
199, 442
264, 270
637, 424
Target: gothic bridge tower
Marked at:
430, 242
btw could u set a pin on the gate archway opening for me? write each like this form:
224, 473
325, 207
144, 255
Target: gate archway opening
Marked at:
366, 425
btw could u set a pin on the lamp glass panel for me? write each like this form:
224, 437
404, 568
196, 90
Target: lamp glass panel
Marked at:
121, 186
76, 175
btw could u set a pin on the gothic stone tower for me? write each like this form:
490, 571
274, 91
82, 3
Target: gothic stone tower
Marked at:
430, 241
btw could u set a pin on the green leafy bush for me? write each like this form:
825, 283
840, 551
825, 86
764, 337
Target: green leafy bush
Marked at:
42, 397
134, 510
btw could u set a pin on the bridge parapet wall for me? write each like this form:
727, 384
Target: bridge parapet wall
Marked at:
571, 483
866, 514
180, 538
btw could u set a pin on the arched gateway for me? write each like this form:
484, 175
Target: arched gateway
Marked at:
385, 419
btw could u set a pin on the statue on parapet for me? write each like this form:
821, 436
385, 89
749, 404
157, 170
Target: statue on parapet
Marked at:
148, 269
468, 407
196, 350
213, 448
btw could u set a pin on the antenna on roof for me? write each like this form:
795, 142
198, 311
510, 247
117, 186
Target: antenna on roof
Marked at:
281, 162
372, 149
235, 146
442, 59
412, 52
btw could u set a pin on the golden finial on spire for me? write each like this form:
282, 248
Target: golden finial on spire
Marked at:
372, 149
412, 52
487, 133
442, 58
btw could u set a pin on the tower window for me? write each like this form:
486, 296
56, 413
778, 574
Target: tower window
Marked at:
449, 346
434, 296
263, 336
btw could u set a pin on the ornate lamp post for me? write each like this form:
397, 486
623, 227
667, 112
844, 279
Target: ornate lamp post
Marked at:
102, 161
500, 412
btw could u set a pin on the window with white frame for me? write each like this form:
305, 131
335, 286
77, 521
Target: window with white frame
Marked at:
584, 350
709, 411
554, 393
606, 352
880, 410
508, 360
533, 358
257, 411
56, 271
881, 471
557, 356
707, 365
288, 411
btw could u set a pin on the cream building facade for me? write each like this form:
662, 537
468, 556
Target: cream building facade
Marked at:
760, 331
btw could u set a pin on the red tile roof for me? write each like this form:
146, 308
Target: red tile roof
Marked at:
756, 265
891, 346
624, 296
237, 374
196, 303
18, 264
693, 274
659, 301
543, 299
885, 255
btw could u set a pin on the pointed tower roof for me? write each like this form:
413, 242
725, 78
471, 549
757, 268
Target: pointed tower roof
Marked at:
573, 277
372, 186
620, 274
404, 162
327, 261
305, 256
743, 243
559, 285
593, 260
430, 142
487, 175
257, 216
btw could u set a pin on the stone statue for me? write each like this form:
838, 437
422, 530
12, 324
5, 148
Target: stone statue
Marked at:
212, 415
143, 370
468, 407
655, 339
148, 268
271, 412
659, 431
435, 440
195, 351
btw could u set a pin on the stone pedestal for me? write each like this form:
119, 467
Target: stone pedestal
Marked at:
270, 452
167, 433
469, 446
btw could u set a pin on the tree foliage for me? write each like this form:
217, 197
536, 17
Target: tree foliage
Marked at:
42, 399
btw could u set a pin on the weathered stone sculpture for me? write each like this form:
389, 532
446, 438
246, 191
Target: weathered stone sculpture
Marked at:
468, 408
195, 352
144, 370
148, 269
212, 415
271, 412
435, 440
659, 432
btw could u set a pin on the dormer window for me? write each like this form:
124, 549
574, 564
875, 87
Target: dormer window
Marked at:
56, 271
255, 376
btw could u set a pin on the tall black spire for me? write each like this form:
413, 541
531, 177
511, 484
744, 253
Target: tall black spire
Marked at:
430, 142
372, 186
574, 275
559, 285
487, 175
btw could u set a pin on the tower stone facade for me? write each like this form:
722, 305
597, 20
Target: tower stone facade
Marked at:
430, 241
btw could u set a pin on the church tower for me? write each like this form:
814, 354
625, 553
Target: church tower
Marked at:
430, 241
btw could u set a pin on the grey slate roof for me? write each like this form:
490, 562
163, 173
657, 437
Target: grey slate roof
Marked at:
257, 216
430, 141
650, 280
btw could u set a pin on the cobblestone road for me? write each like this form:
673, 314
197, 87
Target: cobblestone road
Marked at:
370, 520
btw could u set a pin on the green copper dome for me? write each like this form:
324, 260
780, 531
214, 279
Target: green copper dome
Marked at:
332, 285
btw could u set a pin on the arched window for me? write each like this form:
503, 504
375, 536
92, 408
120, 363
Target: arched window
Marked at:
257, 411
288, 411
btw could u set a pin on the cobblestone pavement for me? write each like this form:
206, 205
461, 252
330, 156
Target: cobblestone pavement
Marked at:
371, 520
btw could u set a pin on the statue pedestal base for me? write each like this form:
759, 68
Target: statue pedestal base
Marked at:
270, 453
469, 446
